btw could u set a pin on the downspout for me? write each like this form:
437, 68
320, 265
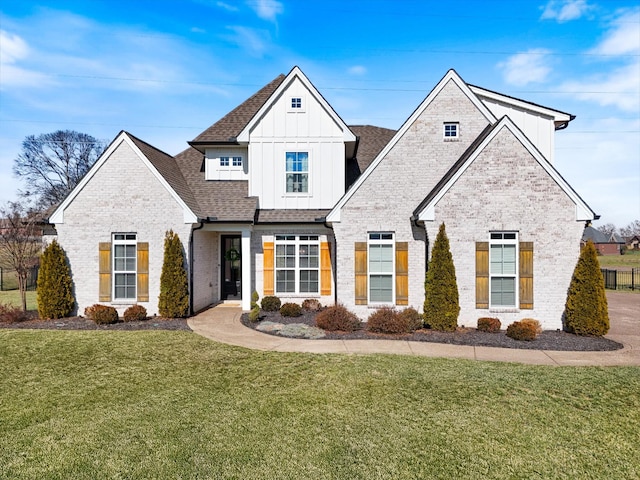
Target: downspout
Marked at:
191, 266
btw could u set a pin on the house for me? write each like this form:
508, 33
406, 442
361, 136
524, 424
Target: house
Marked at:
633, 243
282, 197
605, 244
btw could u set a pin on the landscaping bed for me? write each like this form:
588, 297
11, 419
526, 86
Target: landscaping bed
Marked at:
547, 340
82, 323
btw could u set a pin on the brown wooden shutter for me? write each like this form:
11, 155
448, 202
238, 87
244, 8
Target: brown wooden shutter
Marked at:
526, 275
482, 274
267, 261
104, 270
361, 273
143, 272
325, 269
402, 273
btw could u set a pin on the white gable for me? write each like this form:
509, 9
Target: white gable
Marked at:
57, 217
427, 211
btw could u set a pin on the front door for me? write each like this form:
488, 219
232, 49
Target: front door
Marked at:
231, 268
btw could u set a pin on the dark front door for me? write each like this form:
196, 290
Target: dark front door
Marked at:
231, 268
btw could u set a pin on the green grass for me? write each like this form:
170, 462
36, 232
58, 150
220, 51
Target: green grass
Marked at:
94, 405
12, 297
629, 259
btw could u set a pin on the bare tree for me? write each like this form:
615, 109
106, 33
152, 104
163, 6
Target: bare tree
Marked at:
608, 229
20, 242
631, 230
52, 164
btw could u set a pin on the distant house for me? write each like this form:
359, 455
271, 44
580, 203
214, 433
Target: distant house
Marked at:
282, 197
605, 244
633, 243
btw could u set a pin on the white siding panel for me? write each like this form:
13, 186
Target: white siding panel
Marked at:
213, 170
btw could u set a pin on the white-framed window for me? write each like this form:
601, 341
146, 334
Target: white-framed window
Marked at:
381, 267
124, 266
297, 266
297, 172
503, 269
231, 162
296, 104
451, 130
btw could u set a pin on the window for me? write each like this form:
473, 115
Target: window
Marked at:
233, 161
296, 102
297, 266
450, 130
381, 267
503, 268
297, 172
124, 266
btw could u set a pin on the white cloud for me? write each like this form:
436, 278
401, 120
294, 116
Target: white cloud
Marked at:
266, 9
13, 49
566, 10
227, 7
253, 41
528, 67
357, 70
624, 36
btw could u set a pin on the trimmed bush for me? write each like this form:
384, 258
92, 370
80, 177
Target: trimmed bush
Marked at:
413, 318
254, 300
55, 287
441, 306
291, 310
522, 331
173, 301
311, 305
101, 314
337, 317
11, 314
535, 324
271, 303
135, 313
386, 320
254, 315
586, 310
489, 324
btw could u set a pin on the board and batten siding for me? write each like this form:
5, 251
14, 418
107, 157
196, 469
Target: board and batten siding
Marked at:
213, 170
281, 130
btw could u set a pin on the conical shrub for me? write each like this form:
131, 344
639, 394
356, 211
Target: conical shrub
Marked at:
55, 287
441, 305
174, 288
586, 311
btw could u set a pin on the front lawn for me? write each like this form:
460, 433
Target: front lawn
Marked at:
12, 297
174, 405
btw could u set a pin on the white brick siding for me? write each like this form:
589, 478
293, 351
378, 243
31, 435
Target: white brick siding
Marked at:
206, 267
122, 196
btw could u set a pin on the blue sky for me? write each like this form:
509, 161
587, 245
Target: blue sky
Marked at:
166, 70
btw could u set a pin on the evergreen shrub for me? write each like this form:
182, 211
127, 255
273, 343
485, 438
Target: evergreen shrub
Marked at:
135, 313
271, 303
586, 310
338, 317
54, 293
441, 305
173, 301
489, 324
291, 310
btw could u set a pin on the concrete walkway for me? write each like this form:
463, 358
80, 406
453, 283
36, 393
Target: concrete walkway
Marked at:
222, 324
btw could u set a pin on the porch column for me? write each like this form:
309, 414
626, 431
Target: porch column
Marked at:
246, 269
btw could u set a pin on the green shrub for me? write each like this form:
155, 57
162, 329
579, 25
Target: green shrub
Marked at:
441, 307
254, 315
291, 310
522, 331
489, 324
311, 305
337, 317
101, 314
586, 310
11, 314
55, 287
135, 313
173, 301
413, 318
271, 303
254, 300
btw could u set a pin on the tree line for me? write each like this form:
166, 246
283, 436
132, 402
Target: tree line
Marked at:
631, 230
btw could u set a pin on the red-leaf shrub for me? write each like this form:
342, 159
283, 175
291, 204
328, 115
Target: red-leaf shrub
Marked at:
522, 331
337, 317
11, 314
101, 314
489, 324
135, 313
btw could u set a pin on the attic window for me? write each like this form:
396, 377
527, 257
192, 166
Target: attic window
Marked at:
451, 130
296, 104
231, 161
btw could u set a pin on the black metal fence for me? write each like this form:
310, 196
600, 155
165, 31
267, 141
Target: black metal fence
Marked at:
9, 279
621, 279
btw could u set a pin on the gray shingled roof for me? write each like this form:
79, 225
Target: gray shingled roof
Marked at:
596, 236
291, 216
222, 200
167, 167
228, 127
371, 141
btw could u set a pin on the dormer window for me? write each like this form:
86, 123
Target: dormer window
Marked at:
231, 162
451, 130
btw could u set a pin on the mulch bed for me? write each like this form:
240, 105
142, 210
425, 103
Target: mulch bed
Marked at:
547, 340
81, 323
